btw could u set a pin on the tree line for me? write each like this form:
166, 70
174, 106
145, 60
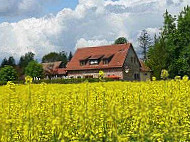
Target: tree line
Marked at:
171, 50
27, 65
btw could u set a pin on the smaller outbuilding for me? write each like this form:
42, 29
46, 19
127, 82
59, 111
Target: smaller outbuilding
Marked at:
54, 69
145, 72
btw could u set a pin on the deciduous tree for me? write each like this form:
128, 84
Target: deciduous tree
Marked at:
121, 40
34, 69
8, 73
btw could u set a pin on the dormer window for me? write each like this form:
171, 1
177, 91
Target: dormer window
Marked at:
107, 58
105, 61
82, 63
94, 62
84, 60
95, 59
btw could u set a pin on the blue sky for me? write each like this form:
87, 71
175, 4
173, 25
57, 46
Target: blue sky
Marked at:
43, 26
60, 5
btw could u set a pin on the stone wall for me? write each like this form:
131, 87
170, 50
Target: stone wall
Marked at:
144, 76
133, 65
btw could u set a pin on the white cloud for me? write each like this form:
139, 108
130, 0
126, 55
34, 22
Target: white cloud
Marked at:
89, 43
13, 8
92, 23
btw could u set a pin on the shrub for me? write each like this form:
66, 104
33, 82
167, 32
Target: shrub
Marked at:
8, 73
71, 81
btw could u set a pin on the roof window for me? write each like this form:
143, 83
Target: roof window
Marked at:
83, 63
94, 62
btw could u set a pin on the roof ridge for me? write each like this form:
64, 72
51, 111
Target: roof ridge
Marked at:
103, 46
52, 62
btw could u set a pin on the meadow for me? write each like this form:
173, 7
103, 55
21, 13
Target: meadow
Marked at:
104, 111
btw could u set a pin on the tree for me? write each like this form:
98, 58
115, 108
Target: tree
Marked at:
70, 56
11, 61
34, 69
145, 42
171, 51
24, 60
121, 40
157, 57
179, 67
4, 62
8, 73
169, 24
54, 56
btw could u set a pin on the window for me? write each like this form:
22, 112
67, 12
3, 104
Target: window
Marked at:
105, 61
145, 74
79, 77
93, 62
82, 63
134, 60
131, 59
136, 76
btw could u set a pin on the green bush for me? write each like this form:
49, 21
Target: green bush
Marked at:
8, 73
34, 69
60, 81
70, 81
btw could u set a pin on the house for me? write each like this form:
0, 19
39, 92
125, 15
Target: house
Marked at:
145, 72
117, 61
54, 69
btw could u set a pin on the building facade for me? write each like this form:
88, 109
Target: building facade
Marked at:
145, 72
116, 61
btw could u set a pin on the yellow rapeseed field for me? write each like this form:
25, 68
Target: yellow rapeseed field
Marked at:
112, 111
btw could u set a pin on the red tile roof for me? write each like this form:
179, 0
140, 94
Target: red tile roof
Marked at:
107, 56
51, 67
119, 53
144, 68
62, 71
96, 56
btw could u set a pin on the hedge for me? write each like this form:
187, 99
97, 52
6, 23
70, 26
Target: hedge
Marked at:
61, 81
71, 81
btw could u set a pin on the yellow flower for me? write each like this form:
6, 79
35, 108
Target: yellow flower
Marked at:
11, 85
164, 74
28, 80
153, 78
185, 78
177, 78
101, 73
